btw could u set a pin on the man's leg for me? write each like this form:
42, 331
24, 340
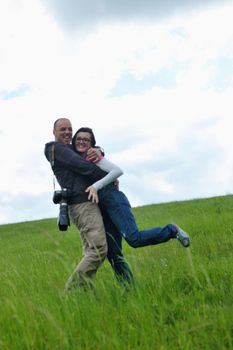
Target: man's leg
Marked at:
115, 255
88, 219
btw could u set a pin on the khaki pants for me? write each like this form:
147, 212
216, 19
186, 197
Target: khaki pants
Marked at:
88, 219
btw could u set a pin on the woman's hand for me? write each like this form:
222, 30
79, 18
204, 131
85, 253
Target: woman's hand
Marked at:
93, 195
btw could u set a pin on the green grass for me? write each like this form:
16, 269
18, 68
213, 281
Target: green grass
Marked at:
183, 297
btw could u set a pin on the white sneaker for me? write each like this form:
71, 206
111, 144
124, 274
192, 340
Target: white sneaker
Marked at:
182, 236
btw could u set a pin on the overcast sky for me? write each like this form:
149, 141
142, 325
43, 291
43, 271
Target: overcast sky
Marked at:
154, 79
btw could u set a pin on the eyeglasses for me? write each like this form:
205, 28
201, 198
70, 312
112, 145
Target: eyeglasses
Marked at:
83, 139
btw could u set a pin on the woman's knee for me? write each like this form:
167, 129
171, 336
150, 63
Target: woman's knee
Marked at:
132, 242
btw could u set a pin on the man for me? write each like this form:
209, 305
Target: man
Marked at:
76, 174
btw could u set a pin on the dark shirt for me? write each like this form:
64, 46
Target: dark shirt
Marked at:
72, 171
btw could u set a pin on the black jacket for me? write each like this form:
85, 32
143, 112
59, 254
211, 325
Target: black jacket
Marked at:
72, 171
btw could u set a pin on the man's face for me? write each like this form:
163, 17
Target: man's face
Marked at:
63, 131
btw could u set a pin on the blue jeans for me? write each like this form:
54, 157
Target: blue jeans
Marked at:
117, 206
115, 256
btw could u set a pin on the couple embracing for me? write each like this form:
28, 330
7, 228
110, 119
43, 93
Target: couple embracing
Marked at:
100, 211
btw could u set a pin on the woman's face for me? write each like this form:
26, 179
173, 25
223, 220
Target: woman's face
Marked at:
83, 141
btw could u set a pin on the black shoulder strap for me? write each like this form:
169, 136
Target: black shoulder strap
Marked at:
52, 157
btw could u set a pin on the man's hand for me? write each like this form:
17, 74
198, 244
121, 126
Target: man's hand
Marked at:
93, 195
94, 155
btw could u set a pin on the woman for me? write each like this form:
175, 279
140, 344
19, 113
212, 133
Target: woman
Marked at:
115, 203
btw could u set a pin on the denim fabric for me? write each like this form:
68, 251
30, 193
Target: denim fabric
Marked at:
117, 206
115, 256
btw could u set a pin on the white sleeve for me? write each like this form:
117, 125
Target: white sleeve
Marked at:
113, 173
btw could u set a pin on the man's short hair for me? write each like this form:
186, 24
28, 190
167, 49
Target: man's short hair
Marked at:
56, 121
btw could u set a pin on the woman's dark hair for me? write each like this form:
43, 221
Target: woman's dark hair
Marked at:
84, 129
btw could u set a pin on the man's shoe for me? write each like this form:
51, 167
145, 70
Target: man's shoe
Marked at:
182, 236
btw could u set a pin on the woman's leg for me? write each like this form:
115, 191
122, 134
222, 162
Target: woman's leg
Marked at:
118, 208
115, 255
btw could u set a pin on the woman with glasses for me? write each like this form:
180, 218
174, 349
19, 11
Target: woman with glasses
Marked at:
116, 204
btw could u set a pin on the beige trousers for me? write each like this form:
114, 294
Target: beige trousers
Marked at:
88, 219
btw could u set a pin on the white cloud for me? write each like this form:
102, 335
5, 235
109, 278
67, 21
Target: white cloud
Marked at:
86, 15
169, 140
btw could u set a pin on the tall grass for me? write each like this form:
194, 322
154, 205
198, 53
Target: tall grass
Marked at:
182, 298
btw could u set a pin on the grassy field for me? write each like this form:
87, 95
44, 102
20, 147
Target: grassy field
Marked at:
183, 297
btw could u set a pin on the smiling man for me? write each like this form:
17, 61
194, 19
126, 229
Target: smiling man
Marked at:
63, 131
